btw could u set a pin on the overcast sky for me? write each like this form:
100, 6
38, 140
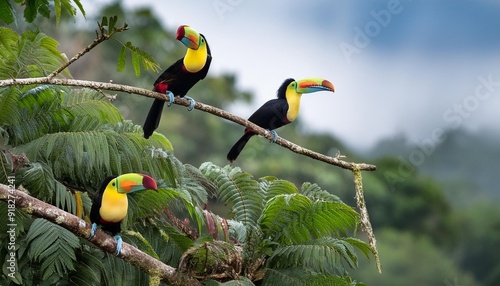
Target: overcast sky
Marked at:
409, 67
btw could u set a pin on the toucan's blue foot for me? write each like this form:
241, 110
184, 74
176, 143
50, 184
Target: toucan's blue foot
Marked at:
119, 243
170, 97
92, 231
275, 136
191, 104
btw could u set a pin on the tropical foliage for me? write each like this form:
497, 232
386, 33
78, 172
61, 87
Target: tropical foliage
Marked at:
33, 8
74, 138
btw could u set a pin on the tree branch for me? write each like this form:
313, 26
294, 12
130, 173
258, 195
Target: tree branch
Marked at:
100, 38
365, 219
200, 106
79, 227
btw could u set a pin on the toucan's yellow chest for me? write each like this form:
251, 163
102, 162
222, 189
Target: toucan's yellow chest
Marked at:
195, 60
293, 99
113, 206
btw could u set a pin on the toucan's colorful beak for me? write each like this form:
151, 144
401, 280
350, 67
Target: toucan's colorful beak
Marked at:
314, 84
188, 36
132, 182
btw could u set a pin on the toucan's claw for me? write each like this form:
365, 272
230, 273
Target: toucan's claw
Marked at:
191, 104
171, 97
119, 243
92, 231
275, 136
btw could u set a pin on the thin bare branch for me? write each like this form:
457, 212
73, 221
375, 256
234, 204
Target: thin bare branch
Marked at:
365, 219
103, 36
200, 106
79, 227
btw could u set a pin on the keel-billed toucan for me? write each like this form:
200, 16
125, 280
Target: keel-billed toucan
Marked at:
280, 111
180, 76
110, 204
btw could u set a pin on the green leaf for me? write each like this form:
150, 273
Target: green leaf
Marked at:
69, 8
86, 102
35, 7
123, 273
30, 11
104, 21
9, 111
304, 277
38, 178
8, 42
57, 6
276, 187
365, 248
138, 57
32, 54
136, 63
44, 8
122, 57
6, 12
89, 267
52, 245
150, 203
112, 23
237, 189
294, 218
80, 6
314, 192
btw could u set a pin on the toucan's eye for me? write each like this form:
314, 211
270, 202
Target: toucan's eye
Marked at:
114, 184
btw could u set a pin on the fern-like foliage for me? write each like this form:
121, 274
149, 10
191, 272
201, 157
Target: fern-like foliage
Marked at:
74, 138
53, 246
31, 54
237, 189
294, 218
298, 231
139, 57
325, 255
315, 193
301, 277
71, 150
6, 12
33, 8
89, 266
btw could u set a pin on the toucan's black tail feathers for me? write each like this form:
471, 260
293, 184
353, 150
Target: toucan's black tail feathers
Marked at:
153, 118
238, 146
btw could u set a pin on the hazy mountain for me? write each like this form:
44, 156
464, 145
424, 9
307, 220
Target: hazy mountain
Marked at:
465, 162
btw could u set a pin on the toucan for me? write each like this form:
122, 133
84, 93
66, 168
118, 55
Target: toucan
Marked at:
181, 76
280, 111
110, 204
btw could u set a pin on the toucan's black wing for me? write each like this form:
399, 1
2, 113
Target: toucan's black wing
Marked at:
178, 81
171, 75
271, 115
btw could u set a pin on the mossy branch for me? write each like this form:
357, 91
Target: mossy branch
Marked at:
365, 219
200, 106
79, 227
